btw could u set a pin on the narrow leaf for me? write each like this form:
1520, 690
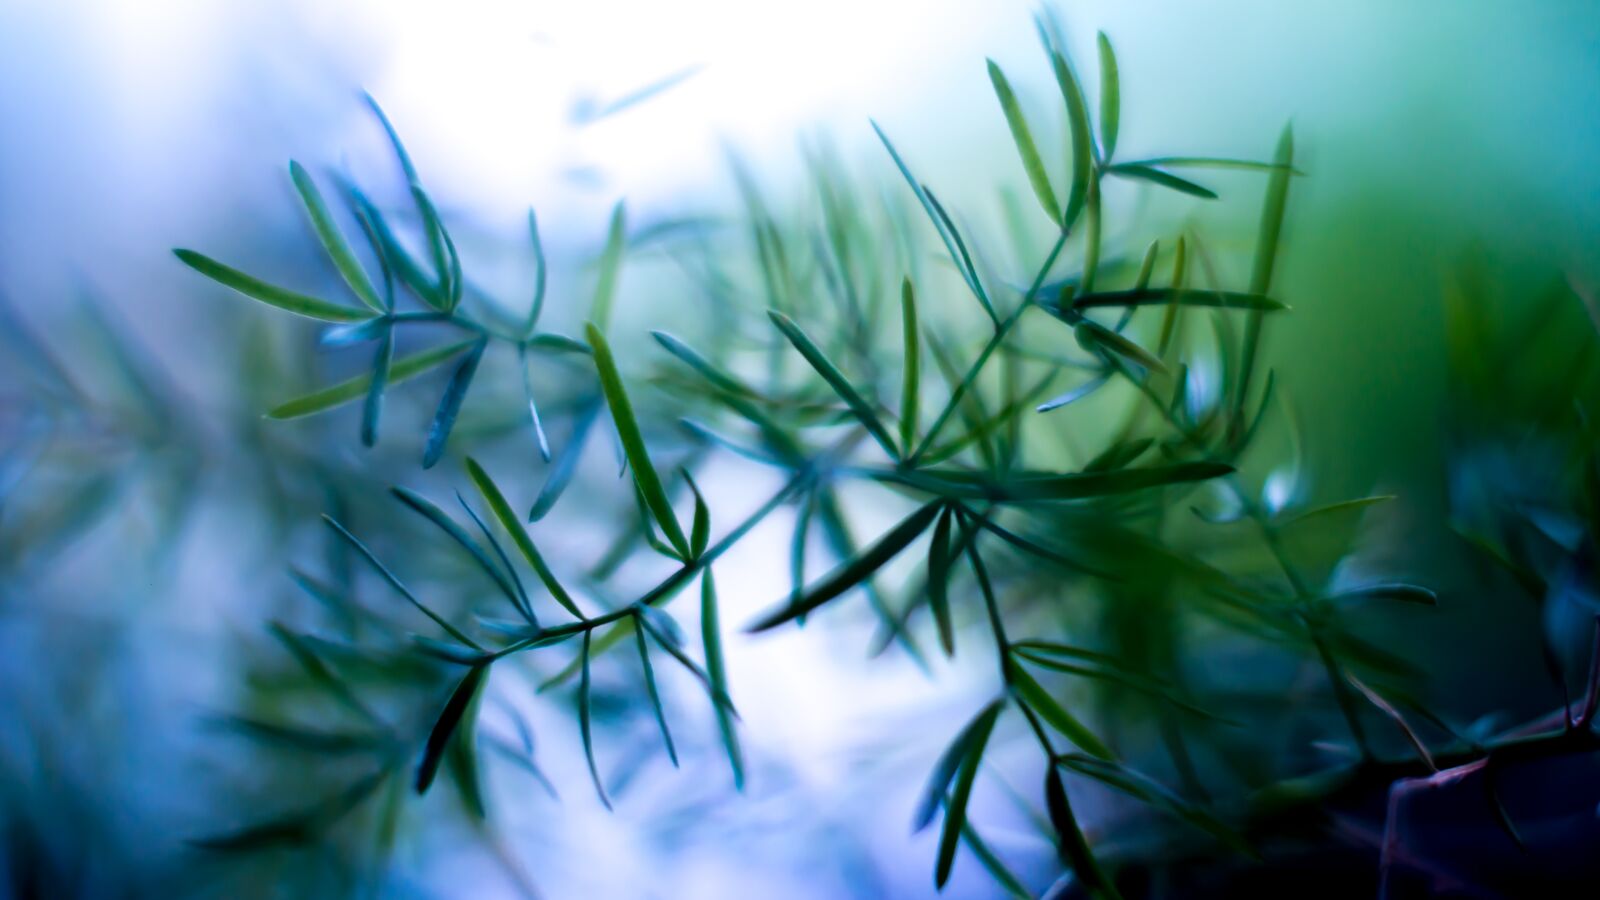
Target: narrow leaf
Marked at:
272, 295
976, 733
402, 369
382, 361
519, 535
633, 446
610, 264
910, 376
854, 571
862, 410
1026, 149
445, 726
1164, 179
455, 391
1110, 97
1082, 142
655, 696
1039, 700
584, 724
441, 520
333, 240
938, 580
955, 807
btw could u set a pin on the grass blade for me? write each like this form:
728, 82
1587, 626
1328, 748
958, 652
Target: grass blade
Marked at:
445, 727
854, 571
444, 419
333, 240
519, 535
1026, 149
633, 446
337, 395
717, 676
272, 295
1110, 97
858, 405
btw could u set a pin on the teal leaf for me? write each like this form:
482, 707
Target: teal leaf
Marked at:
444, 418
1022, 136
272, 295
444, 728
333, 240
519, 534
404, 368
859, 407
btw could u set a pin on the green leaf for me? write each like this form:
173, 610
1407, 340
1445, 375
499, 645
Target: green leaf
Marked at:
402, 369
540, 276
610, 264
1118, 776
333, 240
910, 377
633, 446
975, 734
700, 529
1404, 593
862, 410
1032, 487
955, 807
444, 728
1082, 142
1072, 396
446, 295
444, 419
1267, 237
400, 153
519, 535
272, 295
584, 724
382, 361
441, 520
1033, 694
1164, 179
396, 583
1110, 97
1179, 297
993, 865
1211, 162
707, 369
1074, 847
935, 214
1092, 335
566, 464
655, 696
938, 580
853, 572
1023, 138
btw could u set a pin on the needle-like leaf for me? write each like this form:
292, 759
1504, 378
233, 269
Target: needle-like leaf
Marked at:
382, 361
1164, 179
1033, 694
610, 265
444, 419
1082, 139
404, 368
445, 727
441, 520
1022, 136
976, 733
333, 240
841, 385
853, 572
566, 463
655, 696
584, 726
633, 446
955, 806
938, 580
1110, 97
519, 535
272, 295
910, 376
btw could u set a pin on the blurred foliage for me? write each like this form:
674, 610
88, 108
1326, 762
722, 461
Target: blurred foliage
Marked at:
1177, 620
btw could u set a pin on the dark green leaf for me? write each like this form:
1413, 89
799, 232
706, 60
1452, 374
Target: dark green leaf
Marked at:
444, 419
1405, 593
910, 379
704, 367
1164, 179
300, 304
700, 529
853, 572
938, 580
454, 709
519, 535
1039, 700
955, 807
1175, 296
975, 734
1082, 142
862, 410
1092, 335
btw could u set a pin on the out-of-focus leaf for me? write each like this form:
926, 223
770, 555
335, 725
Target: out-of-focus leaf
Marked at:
441, 520
955, 806
1034, 695
1116, 775
1180, 297
975, 734
1082, 139
910, 375
584, 724
299, 304
566, 463
610, 265
1092, 336
938, 580
540, 276
382, 362
1404, 593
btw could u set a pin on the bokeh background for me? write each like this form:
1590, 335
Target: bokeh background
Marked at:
1432, 134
